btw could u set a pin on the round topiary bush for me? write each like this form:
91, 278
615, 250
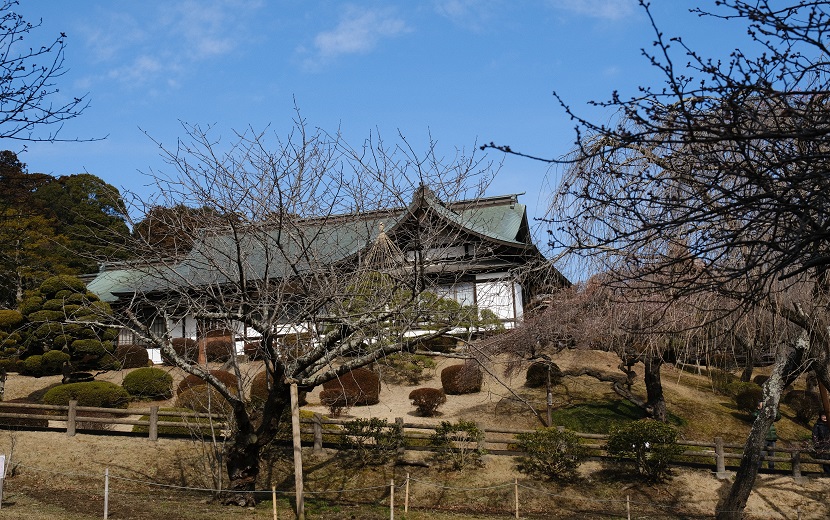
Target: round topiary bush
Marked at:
184, 347
203, 399
360, 387
746, 395
427, 400
10, 319
460, 379
806, 405
52, 362
51, 286
33, 366
537, 374
149, 383
101, 394
132, 356
192, 381
219, 348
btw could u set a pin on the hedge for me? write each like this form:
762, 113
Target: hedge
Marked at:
132, 356
460, 379
102, 394
192, 381
149, 383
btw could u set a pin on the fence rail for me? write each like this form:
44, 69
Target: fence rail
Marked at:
319, 431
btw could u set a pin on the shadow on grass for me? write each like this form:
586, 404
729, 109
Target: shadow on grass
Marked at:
602, 416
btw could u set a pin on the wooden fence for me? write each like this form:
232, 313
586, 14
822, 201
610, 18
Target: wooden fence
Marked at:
320, 431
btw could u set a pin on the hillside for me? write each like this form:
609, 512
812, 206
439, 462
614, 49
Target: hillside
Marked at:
51, 462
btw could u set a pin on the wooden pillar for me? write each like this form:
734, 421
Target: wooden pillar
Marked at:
71, 414
154, 423
298, 453
399, 426
318, 433
720, 459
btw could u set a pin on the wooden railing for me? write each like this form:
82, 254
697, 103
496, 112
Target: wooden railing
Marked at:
497, 441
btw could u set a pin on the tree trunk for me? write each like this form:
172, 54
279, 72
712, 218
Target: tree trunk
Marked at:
242, 461
242, 457
788, 366
749, 367
655, 402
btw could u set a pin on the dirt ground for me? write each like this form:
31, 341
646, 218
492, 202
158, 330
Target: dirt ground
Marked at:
774, 496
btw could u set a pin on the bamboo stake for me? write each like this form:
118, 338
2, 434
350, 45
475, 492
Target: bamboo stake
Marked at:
106, 493
628, 506
516, 494
298, 453
274, 500
406, 495
391, 500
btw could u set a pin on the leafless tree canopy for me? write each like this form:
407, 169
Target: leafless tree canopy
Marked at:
714, 186
30, 109
321, 256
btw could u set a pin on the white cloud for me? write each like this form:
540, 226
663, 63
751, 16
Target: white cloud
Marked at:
471, 14
142, 46
604, 9
359, 31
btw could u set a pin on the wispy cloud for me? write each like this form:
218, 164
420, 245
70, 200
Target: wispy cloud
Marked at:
358, 31
604, 9
182, 34
471, 14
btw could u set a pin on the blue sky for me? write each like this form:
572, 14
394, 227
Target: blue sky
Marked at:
463, 71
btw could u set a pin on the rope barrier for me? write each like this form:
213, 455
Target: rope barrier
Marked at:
537, 491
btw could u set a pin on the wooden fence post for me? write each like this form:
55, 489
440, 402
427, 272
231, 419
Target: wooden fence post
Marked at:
796, 462
71, 414
516, 495
720, 459
106, 493
399, 426
318, 432
406, 495
392, 499
154, 423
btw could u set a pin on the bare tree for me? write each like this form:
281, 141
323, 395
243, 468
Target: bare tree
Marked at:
321, 257
30, 109
715, 182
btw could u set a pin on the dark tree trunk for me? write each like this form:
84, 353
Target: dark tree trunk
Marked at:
749, 367
655, 401
242, 457
788, 366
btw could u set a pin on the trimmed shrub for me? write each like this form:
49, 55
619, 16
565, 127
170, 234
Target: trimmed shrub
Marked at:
218, 349
149, 383
102, 394
650, 445
91, 347
10, 319
405, 368
427, 400
184, 347
550, 453
360, 387
459, 444
52, 362
33, 366
537, 374
132, 356
371, 441
460, 379
44, 315
52, 285
11, 364
746, 395
203, 399
192, 381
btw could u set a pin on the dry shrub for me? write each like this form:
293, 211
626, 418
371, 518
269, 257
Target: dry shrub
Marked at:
360, 387
203, 399
427, 400
192, 381
218, 348
132, 356
460, 379
184, 347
